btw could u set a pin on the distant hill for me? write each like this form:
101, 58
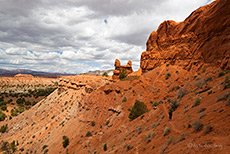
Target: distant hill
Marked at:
100, 72
11, 73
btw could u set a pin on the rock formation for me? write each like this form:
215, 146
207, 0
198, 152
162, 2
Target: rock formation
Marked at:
203, 37
119, 68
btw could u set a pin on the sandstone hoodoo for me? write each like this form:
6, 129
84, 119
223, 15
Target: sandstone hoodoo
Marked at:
202, 38
118, 69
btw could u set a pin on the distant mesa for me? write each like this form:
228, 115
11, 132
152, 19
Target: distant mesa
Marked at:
24, 75
119, 68
202, 38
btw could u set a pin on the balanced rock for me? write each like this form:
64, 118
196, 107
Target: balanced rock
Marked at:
119, 68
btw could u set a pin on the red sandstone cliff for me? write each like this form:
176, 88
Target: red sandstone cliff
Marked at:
203, 37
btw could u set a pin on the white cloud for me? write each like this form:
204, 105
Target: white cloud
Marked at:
77, 29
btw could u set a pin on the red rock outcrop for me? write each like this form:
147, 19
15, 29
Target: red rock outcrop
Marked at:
203, 37
119, 68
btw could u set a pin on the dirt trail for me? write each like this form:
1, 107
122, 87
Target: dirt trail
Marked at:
159, 74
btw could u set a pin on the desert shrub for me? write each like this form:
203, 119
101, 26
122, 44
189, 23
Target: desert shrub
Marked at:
155, 125
166, 131
207, 129
20, 101
128, 147
227, 82
156, 103
2, 99
3, 128
197, 126
181, 92
139, 130
124, 100
123, 74
221, 73
3, 107
167, 76
163, 148
199, 83
105, 74
181, 138
2, 116
138, 109
92, 123
197, 102
174, 105
203, 70
186, 110
209, 92
65, 142
88, 134
46, 151
130, 78
13, 146
171, 140
105, 147
44, 146
202, 114
201, 109
223, 97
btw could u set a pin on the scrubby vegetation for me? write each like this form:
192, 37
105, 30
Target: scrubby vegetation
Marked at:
105, 147
138, 109
123, 74
65, 142
197, 126
3, 128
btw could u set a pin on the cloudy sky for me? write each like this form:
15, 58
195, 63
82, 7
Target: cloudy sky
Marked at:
76, 36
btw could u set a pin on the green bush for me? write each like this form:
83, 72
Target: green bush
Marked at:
88, 134
221, 74
105, 74
93, 123
197, 102
105, 147
2, 116
3, 128
123, 74
3, 107
167, 76
65, 142
124, 100
138, 109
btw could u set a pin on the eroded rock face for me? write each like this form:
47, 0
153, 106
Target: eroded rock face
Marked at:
203, 37
119, 68
84, 83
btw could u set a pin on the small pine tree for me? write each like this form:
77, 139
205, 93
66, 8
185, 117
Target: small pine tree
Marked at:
138, 109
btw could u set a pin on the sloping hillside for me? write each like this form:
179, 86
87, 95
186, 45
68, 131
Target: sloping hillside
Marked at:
91, 114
